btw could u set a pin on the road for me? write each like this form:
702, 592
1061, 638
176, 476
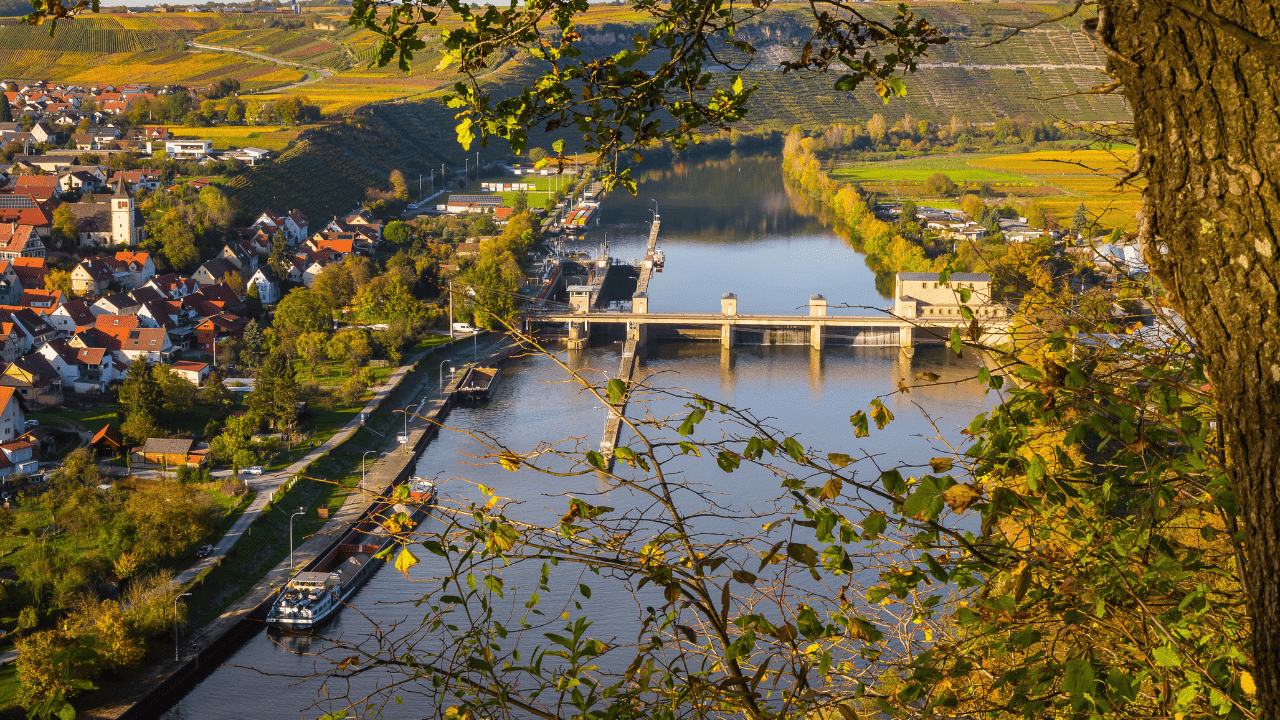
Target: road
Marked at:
317, 75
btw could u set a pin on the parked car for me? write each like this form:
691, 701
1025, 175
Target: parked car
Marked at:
463, 328
255, 470
204, 551
32, 424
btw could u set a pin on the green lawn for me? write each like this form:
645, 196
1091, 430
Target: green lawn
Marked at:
955, 166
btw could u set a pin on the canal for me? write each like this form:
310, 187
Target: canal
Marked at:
727, 226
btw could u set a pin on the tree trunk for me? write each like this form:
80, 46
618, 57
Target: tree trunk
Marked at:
1204, 85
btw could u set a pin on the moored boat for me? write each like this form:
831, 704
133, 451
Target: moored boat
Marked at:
422, 490
315, 594
478, 383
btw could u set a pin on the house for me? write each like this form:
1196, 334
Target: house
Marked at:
222, 296
173, 287
10, 342
43, 132
193, 372
242, 255
92, 277
268, 287
157, 133
35, 216
170, 452
1017, 230
46, 301
117, 304
161, 313
151, 343
84, 369
115, 323
70, 317
108, 441
13, 417
37, 382
188, 149
10, 284
295, 226
218, 327
34, 184
19, 241
139, 267
30, 271
81, 178
213, 271
22, 455
135, 179
32, 329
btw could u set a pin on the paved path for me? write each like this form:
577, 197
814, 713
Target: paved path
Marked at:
319, 73
266, 485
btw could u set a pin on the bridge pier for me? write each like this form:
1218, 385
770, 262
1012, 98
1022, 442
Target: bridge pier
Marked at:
906, 338
579, 334
817, 308
728, 308
639, 331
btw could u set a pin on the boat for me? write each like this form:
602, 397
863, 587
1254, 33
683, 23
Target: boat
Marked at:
422, 490
317, 593
478, 383
659, 258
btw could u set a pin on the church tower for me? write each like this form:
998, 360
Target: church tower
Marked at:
124, 230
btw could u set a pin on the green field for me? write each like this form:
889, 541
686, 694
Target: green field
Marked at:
958, 167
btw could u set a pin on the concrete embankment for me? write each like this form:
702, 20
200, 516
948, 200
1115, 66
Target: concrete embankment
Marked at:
204, 650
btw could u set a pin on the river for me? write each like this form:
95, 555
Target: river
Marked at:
727, 226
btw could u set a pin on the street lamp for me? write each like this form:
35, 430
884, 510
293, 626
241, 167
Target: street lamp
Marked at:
175, 625
655, 206
301, 511
442, 362
406, 427
362, 470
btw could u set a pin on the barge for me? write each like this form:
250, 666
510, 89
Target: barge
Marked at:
478, 384
316, 594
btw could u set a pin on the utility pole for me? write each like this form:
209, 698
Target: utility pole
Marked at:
450, 308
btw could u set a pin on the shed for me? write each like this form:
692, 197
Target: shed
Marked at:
173, 452
108, 441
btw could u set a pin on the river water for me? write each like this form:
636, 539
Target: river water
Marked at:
727, 226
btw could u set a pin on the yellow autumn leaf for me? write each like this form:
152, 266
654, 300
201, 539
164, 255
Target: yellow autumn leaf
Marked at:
1246, 683
813, 649
928, 636
485, 489
405, 560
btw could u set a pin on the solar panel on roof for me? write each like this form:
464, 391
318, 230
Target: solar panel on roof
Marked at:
16, 202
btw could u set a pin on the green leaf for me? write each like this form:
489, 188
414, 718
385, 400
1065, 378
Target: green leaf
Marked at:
802, 554
848, 83
558, 147
1077, 680
616, 390
893, 482
859, 422
873, 525
596, 460
1166, 656
794, 449
965, 294
840, 460
955, 340
926, 502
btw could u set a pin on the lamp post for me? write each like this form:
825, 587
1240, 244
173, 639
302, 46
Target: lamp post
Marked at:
362, 470
291, 517
406, 428
442, 363
175, 624
655, 206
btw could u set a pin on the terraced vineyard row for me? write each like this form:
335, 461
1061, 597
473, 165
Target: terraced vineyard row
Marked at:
77, 37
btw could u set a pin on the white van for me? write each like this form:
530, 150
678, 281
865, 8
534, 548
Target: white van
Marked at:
463, 328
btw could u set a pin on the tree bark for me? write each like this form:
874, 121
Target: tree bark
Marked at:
1203, 80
